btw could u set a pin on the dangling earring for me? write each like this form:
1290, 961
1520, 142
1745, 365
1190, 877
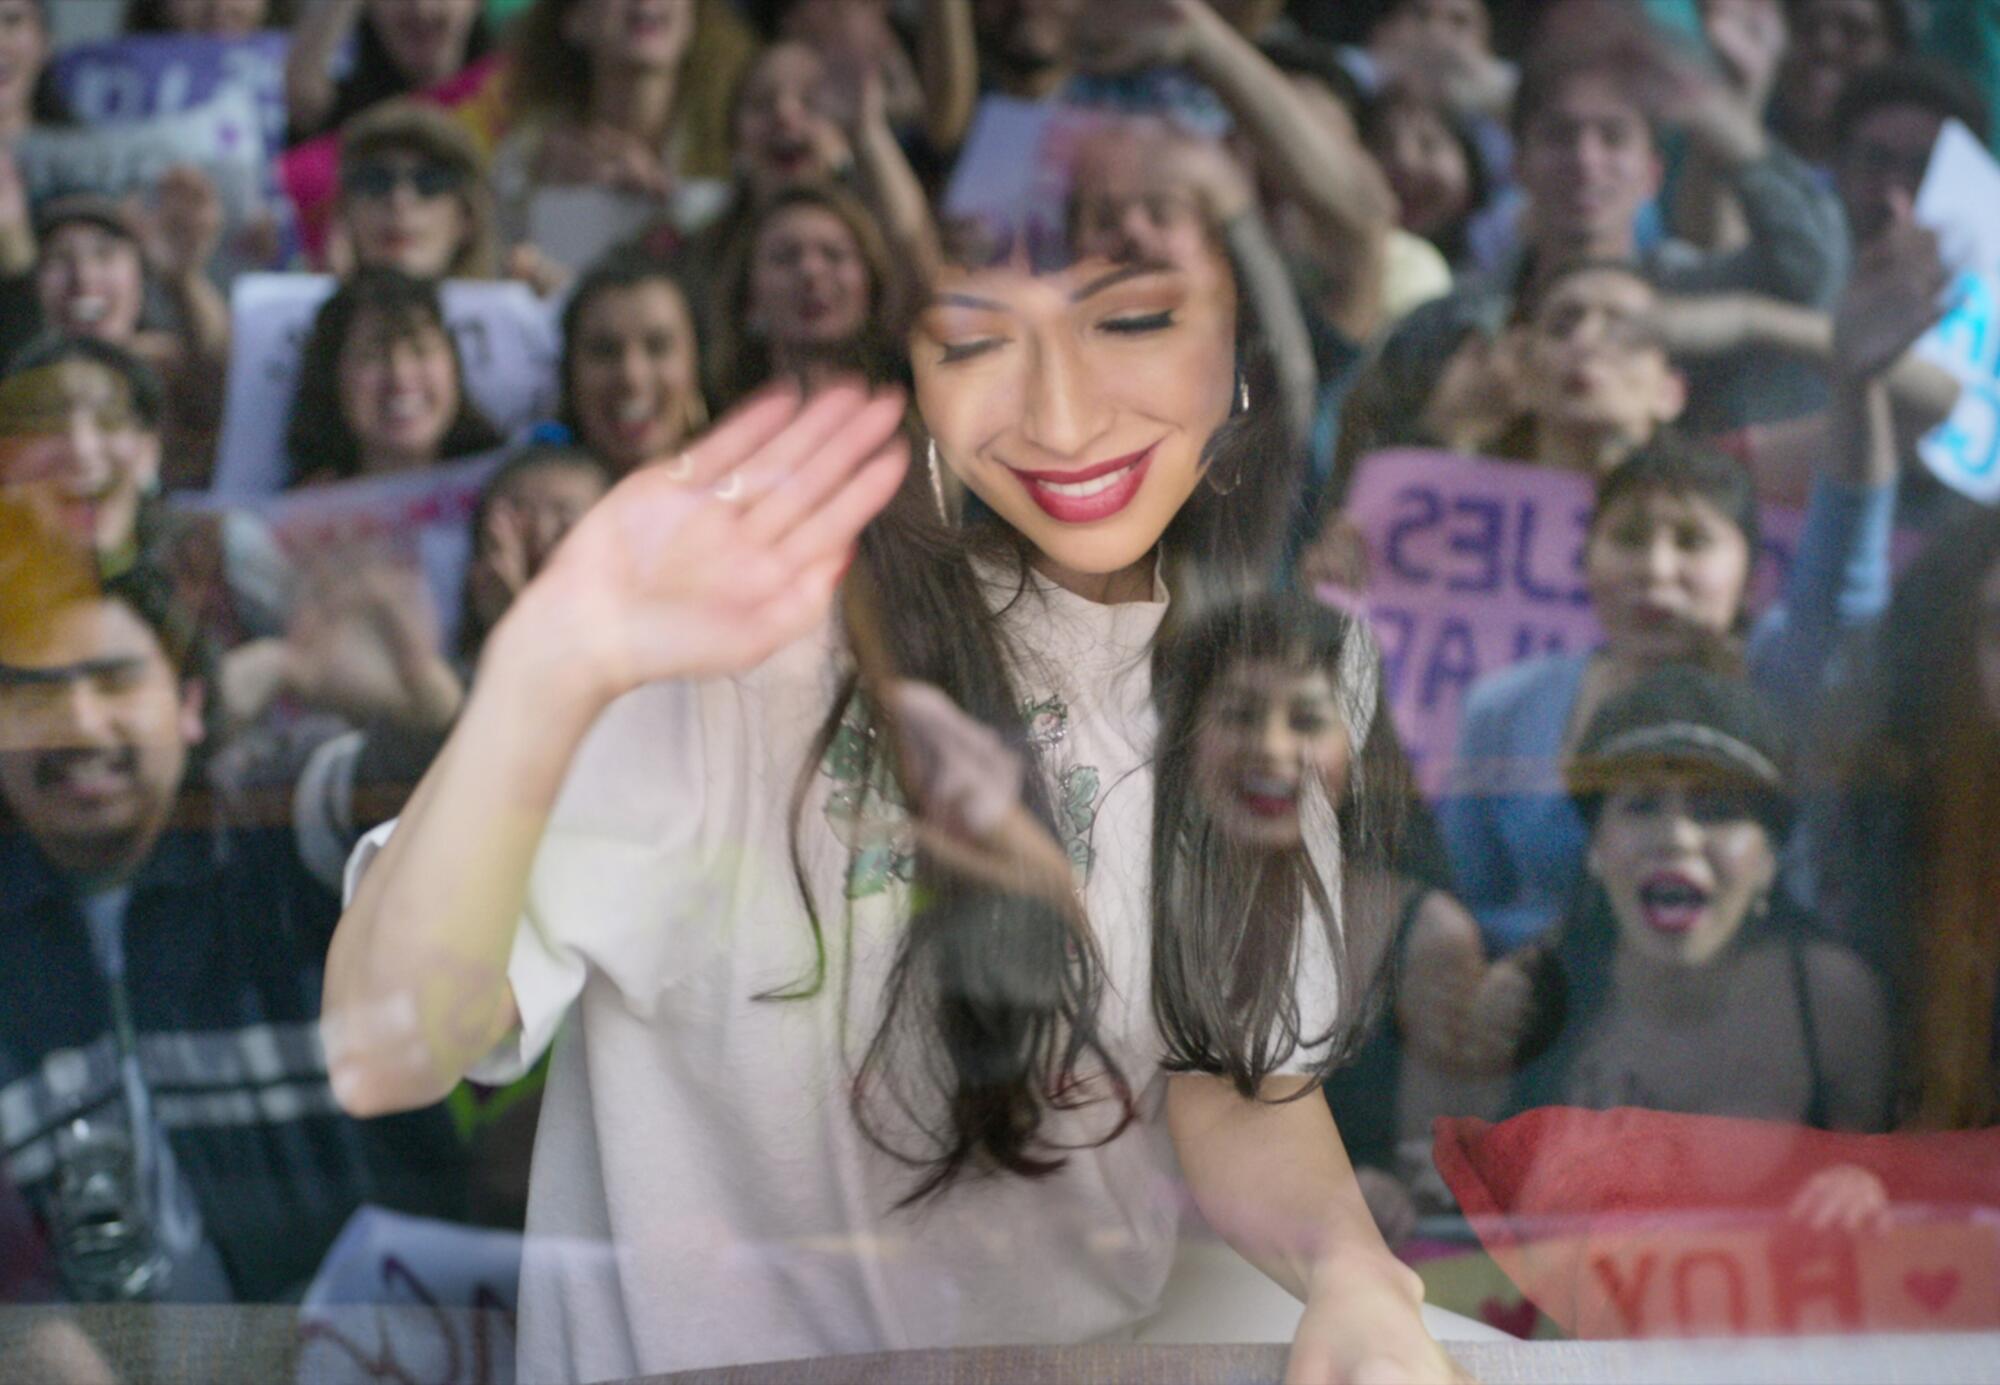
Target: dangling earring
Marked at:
937, 480
1220, 489
1242, 394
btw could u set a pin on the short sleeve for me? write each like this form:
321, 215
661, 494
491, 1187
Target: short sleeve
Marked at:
614, 862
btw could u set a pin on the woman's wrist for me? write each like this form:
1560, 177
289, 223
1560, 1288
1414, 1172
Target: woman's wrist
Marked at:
541, 643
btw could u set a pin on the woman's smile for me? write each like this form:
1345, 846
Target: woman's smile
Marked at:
1087, 494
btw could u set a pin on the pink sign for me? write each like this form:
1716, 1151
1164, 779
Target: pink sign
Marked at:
1477, 564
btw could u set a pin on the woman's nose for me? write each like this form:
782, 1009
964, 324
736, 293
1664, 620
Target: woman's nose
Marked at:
1063, 412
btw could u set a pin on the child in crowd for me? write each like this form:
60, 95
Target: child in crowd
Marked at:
535, 498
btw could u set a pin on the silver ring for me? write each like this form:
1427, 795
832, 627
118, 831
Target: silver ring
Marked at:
678, 467
731, 487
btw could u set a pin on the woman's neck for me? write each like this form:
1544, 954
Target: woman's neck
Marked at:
1674, 989
1592, 451
637, 100
1134, 583
14, 121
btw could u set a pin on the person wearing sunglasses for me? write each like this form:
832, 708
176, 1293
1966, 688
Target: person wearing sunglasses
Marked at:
414, 196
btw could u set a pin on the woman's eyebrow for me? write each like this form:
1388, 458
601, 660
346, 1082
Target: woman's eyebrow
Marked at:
1136, 270
1095, 286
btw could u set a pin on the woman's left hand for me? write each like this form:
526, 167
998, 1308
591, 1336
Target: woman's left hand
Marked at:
1362, 1327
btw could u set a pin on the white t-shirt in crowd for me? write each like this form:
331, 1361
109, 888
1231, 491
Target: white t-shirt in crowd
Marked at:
701, 1193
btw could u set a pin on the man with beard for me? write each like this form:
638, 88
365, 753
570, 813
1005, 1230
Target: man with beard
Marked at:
163, 1094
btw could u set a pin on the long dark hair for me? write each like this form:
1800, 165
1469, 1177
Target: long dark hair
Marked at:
992, 1003
318, 440
150, 16
1229, 924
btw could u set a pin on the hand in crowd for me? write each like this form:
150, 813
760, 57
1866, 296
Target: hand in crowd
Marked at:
182, 229
1748, 39
1894, 295
364, 643
597, 155
1458, 1010
710, 562
1845, 1198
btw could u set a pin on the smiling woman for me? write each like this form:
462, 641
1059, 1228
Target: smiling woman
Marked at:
926, 1089
381, 387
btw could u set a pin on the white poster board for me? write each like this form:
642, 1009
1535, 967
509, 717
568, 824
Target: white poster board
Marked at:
507, 339
223, 137
1960, 200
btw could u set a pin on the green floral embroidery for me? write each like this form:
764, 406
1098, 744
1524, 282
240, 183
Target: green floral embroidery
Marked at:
868, 818
1076, 814
871, 820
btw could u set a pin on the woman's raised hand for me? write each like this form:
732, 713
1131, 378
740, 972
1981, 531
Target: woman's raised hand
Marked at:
707, 563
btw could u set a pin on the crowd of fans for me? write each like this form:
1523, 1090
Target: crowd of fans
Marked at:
1733, 859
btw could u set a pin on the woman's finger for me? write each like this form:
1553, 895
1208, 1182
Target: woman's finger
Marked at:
742, 432
834, 525
806, 482
825, 415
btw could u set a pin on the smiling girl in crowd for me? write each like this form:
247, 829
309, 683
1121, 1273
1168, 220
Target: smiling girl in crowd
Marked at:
874, 1101
381, 387
631, 371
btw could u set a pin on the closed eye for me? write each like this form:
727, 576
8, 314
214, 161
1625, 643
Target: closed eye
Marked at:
1142, 322
955, 351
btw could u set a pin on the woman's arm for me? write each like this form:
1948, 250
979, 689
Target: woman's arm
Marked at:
309, 87
1272, 1178
891, 184
663, 579
948, 67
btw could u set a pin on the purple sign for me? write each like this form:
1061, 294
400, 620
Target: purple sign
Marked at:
148, 75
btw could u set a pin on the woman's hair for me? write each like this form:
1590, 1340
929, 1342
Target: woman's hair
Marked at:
617, 272
150, 16
1230, 924
318, 440
1917, 734
740, 360
411, 127
992, 1005
471, 632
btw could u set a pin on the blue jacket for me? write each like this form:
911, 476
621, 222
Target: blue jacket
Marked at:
225, 937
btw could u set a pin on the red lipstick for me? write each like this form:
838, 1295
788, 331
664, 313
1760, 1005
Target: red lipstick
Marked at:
1117, 482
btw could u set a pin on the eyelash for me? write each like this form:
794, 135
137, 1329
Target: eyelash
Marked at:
1140, 324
